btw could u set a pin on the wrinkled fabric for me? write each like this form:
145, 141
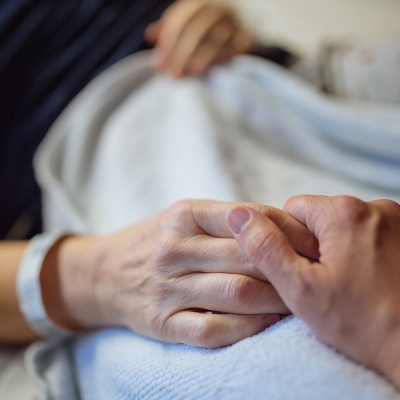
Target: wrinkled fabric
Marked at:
133, 142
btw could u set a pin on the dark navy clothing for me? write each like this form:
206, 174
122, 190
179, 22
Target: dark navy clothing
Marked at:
49, 50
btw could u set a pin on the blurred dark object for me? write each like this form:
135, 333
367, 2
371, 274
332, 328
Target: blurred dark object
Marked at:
49, 51
276, 54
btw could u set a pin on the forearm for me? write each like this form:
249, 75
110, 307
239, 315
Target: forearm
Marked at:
13, 328
151, 277
64, 281
67, 279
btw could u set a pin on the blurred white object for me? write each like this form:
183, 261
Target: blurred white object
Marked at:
365, 70
133, 142
303, 24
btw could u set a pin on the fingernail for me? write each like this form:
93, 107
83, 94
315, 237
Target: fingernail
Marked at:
271, 319
237, 219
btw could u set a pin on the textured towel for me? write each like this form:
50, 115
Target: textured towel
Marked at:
284, 362
134, 142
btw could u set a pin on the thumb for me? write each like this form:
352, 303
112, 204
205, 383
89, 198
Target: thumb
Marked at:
268, 248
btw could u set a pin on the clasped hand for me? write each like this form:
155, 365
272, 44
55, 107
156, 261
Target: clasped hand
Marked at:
179, 277
350, 297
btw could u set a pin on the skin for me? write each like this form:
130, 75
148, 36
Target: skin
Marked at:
194, 35
13, 327
160, 278
191, 36
350, 297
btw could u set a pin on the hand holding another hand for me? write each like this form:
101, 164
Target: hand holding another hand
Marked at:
193, 35
350, 298
179, 277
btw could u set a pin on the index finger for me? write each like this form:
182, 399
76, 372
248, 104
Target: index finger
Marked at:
329, 216
209, 217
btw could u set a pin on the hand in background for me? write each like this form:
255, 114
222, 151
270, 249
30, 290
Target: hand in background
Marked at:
193, 35
163, 276
350, 298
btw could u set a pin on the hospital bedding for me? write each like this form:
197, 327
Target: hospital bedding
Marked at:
249, 131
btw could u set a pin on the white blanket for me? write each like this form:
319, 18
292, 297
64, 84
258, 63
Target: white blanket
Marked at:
133, 143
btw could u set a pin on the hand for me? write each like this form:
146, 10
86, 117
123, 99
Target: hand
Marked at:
350, 298
193, 35
161, 277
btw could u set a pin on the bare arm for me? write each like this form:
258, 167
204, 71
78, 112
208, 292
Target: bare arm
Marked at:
156, 277
13, 327
56, 275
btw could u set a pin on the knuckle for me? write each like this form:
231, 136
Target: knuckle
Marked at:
161, 290
180, 211
300, 201
167, 253
390, 205
159, 295
166, 249
239, 291
204, 334
374, 221
352, 209
379, 226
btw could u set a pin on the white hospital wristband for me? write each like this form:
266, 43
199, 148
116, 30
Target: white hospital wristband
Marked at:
29, 289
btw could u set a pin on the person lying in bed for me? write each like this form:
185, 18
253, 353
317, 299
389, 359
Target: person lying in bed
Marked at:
71, 291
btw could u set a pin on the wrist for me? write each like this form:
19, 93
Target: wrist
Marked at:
67, 281
29, 286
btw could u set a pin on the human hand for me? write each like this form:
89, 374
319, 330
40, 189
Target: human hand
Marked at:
193, 35
160, 277
350, 298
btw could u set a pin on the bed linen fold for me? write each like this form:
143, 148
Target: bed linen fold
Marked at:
133, 142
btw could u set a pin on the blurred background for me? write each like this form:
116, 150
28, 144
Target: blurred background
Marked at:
303, 24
